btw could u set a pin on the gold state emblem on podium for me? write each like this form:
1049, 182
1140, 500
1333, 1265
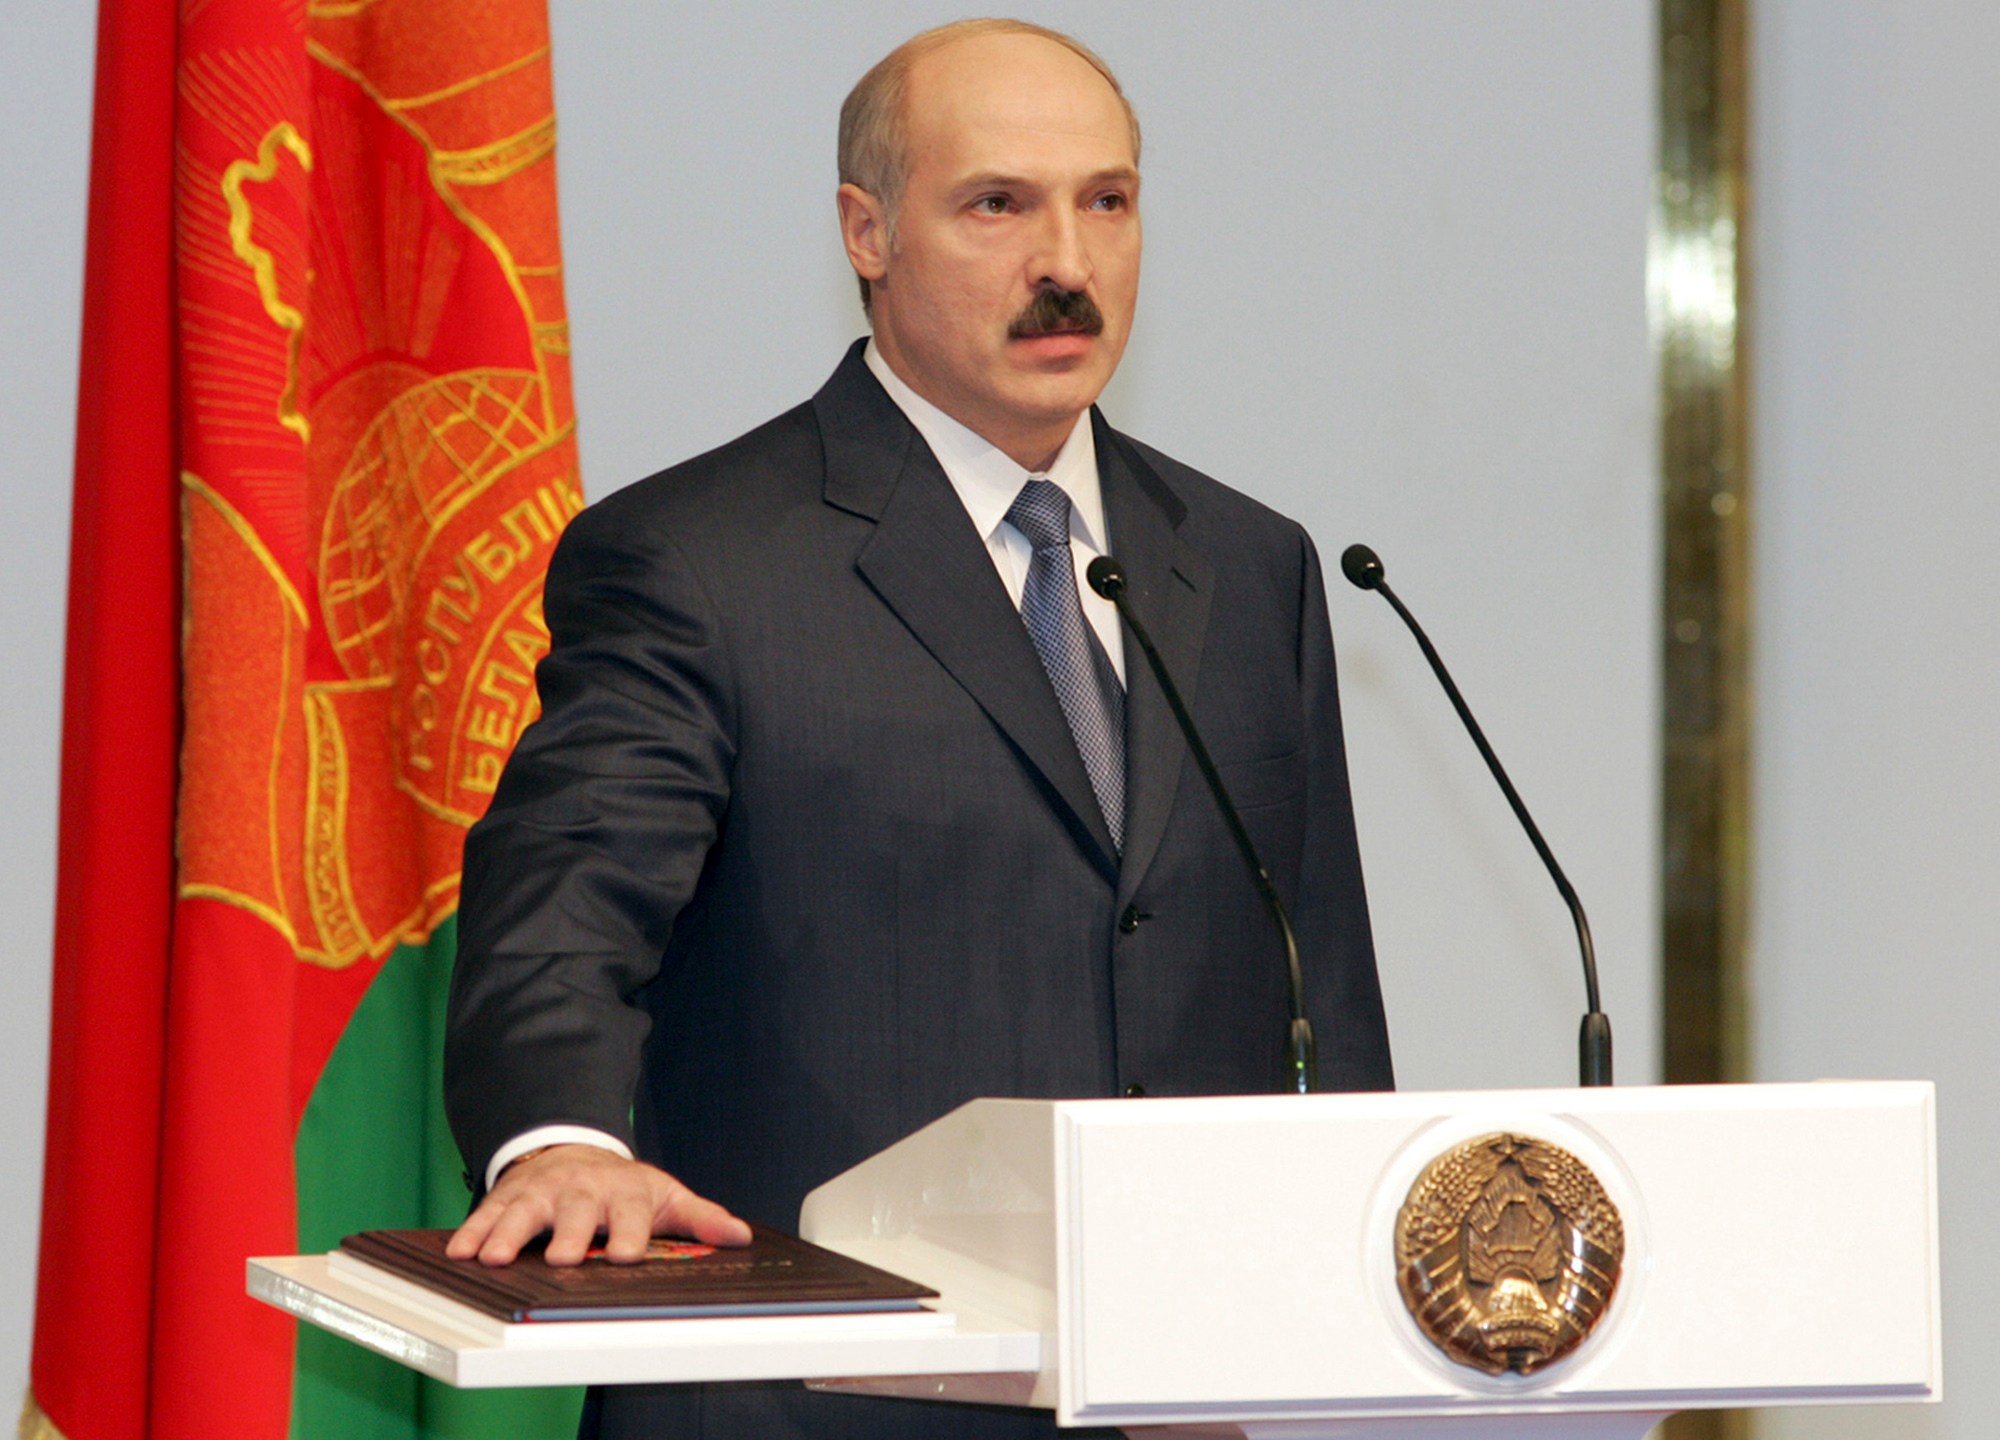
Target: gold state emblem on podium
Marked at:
1507, 1252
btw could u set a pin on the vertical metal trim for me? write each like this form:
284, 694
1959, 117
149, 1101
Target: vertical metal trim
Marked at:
1696, 302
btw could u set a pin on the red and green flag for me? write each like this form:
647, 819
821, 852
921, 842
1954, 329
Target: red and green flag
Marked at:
325, 447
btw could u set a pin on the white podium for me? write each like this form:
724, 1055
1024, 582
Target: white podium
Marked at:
1227, 1267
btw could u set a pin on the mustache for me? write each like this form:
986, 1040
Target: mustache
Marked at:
1053, 310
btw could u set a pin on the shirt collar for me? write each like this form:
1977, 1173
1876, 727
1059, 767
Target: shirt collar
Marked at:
986, 478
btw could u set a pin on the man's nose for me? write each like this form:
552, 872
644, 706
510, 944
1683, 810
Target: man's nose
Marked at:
1063, 258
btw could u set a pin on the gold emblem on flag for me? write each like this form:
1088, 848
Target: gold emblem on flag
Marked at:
379, 455
1508, 1252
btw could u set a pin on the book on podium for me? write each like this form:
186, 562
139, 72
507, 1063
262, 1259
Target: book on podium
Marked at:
775, 1274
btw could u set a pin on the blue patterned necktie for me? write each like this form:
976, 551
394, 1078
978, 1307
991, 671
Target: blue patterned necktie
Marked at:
1086, 686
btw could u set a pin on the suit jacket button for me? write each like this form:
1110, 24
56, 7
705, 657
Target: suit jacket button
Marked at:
1129, 921
1135, 1091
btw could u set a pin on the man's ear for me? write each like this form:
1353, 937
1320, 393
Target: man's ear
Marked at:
864, 230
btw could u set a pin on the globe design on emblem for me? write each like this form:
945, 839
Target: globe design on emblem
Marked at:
1508, 1252
380, 456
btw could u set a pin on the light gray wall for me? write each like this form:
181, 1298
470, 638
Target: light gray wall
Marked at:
45, 83
1876, 325
1394, 287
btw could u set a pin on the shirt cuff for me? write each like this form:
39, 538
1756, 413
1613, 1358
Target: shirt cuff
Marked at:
545, 1135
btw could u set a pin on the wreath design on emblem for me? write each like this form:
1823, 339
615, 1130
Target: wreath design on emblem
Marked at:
1508, 1252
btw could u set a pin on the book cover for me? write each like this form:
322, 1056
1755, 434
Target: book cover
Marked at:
775, 1274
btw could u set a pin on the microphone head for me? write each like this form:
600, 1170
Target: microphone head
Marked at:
1362, 567
1106, 577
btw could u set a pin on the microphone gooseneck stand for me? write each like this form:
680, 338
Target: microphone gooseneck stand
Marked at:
1301, 1057
1364, 569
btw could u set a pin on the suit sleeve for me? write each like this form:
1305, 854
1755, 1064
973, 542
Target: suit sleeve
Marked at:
594, 842
1343, 992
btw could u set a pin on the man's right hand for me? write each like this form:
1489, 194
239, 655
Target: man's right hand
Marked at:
578, 1192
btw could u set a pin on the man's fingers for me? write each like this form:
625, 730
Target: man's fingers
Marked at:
630, 1228
687, 1213
466, 1241
497, 1229
574, 1193
578, 1218
524, 1217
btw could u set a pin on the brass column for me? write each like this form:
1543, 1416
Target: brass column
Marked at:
1696, 285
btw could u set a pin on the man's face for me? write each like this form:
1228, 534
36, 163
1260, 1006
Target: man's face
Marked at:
1022, 189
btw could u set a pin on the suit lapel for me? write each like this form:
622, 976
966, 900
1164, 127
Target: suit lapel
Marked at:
931, 568
1169, 583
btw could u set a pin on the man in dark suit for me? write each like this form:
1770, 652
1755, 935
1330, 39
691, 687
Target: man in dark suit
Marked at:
847, 805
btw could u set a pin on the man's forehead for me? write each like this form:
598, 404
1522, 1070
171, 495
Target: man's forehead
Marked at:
993, 89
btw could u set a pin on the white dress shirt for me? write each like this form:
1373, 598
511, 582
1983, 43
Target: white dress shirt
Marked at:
987, 482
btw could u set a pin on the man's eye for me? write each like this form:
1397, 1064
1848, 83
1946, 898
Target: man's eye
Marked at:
991, 205
1113, 200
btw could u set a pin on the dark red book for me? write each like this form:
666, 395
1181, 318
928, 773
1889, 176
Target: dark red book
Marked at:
775, 1274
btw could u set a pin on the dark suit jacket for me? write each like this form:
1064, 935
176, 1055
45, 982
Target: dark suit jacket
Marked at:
801, 854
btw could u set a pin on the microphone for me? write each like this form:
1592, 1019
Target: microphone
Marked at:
1301, 1058
1363, 568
